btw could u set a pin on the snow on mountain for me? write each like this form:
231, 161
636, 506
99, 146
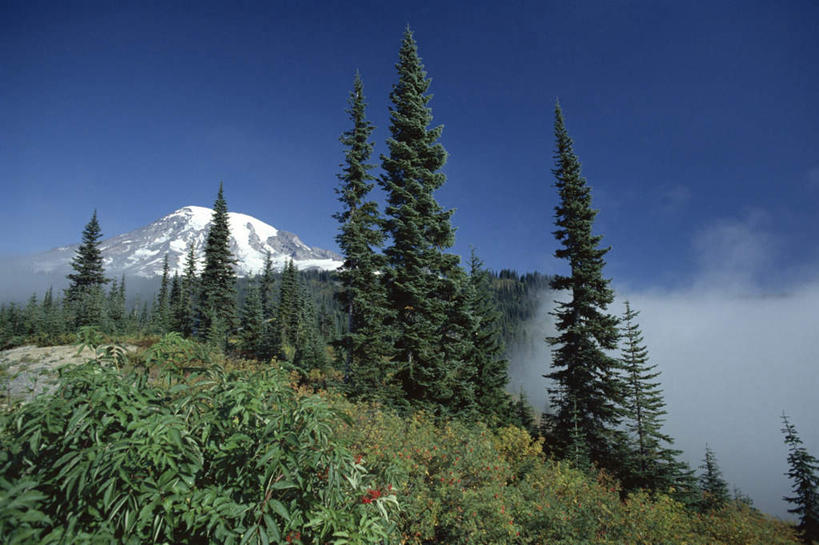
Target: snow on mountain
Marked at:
141, 252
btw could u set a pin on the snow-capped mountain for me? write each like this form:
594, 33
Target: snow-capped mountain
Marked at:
141, 252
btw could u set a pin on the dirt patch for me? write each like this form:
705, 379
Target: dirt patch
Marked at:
27, 371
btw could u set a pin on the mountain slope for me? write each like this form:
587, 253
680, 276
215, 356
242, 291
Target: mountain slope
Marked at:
141, 252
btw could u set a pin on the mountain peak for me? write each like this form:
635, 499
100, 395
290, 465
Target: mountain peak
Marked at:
141, 252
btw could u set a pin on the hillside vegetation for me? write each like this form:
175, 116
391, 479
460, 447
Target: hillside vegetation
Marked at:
176, 444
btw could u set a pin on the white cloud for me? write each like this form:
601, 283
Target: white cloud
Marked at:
730, 365
733, 357
733, 253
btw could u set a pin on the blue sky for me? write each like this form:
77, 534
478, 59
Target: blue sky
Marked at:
697, 124
685, 115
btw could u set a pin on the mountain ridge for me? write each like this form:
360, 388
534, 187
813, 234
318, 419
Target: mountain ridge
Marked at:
141, 252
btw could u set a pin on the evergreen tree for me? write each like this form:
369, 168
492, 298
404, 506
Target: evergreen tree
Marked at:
52, 315
266, 288
584, 374
522, 414
84, 293
217, 295
652, 464
190, 289
713, 486
804, 472
365, 344
423, 280
578, 450
32, 319
309, 352
252, 332
288, 312
487, 356
116, 305
144, 317
177, 315
162, 314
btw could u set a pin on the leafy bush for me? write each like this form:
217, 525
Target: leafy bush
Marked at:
460, 483
179, 450
193, 455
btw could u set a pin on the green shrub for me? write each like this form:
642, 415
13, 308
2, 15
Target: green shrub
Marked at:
459, 483
193, 455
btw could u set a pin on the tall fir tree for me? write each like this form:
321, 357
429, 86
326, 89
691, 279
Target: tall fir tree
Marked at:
266, 288
587, 390
365, 344
161, 316
652, 463
578, 450
714, 488
423, 280
52, 315
116, 305
487, 357
87, 263
309, 352
84, 295
803, 470
189, 295
32, 316
176, 316
288, 312
252, 333
217, 287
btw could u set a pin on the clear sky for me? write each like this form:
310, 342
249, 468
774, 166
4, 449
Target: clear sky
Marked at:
684, 115
697, 124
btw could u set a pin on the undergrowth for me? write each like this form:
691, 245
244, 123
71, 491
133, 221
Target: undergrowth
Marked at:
180, 445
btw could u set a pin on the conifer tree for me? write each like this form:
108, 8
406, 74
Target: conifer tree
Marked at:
288, 312
176, 310
522, 414
584, 374
422, 279
52, 315
713, 486
252, 326
32, 320
266, 287
309, 353
217, 289
578, 450
652, 464
84, 294
365, 344
487, 357
144, 317
804, 473
116, 305
162, 313
190, 289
